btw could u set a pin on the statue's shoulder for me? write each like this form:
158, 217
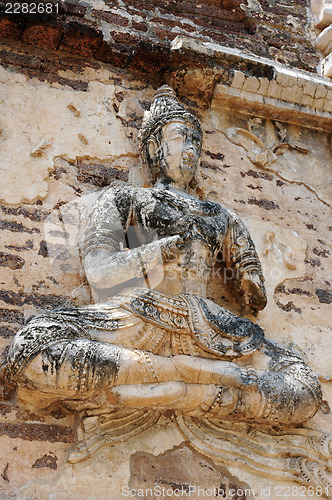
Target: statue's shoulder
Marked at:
217, 208
101, 204
116, 188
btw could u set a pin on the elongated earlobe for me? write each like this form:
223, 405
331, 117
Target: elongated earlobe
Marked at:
152, 148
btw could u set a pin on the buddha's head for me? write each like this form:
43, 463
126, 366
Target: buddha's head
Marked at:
171, 139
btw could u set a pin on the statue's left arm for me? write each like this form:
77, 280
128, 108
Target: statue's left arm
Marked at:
240, 256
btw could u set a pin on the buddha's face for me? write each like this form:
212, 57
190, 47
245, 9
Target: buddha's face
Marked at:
180, 152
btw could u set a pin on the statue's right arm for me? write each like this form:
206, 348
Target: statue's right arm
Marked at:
106, 269
107, 260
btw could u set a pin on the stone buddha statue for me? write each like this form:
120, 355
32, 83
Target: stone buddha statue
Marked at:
155, 341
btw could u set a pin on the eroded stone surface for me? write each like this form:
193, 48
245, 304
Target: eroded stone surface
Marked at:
56, 130
182, 472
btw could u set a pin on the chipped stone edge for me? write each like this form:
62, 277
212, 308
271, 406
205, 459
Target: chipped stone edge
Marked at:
288, 94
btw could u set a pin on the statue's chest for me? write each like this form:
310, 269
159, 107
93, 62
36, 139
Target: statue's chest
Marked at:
171, 214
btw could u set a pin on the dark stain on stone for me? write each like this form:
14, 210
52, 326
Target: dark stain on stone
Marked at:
321, 253
7, 332
280, 288
133, 121
324, 296
257, 175
258, 70
313, 262
47, 301
175, 486
27, 246
5, 408
325, 408
120, 97
34, 215
17, 227
215, 156
43, 249
58, 413
49, 461
311, 227
45, 67
12, 261
266, 204
306, 278
54, 281
99, 175
4, 392
279, 183
203, 164
255, 187
4, 474
23, 414
289, 307
74, 84
298, 291
11, 316
37, 432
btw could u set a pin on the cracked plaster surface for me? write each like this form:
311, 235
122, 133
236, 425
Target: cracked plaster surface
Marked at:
40, 123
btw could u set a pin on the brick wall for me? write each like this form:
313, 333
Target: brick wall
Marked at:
137, 34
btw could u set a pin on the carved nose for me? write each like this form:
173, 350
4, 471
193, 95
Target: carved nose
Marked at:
190, 152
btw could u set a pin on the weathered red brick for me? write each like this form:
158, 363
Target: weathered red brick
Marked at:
126, 38
110, 17
39, 32
139, 26
150, 55
113, 54
80, 39
71, 8
11, 27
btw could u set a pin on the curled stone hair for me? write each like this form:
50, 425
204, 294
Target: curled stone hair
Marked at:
164, 109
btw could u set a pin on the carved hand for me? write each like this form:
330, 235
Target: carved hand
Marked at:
252, 284
170, 247
105, 269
